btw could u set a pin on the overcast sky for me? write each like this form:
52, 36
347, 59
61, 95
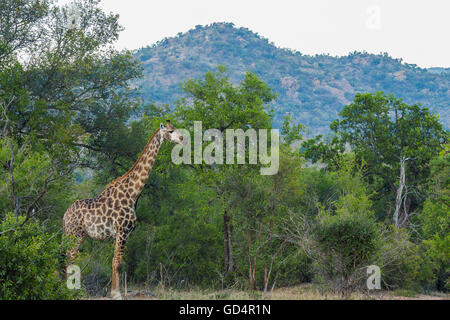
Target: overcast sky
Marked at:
416, 30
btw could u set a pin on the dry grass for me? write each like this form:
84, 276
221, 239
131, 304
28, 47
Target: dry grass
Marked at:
302, 292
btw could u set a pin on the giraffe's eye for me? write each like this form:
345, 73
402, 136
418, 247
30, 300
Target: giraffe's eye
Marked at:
171, 131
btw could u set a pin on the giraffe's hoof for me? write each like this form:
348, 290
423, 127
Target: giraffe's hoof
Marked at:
116, 295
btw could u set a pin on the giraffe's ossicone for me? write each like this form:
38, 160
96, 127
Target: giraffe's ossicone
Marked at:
112, 214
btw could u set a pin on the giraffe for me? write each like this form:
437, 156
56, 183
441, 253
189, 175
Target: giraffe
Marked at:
113, 213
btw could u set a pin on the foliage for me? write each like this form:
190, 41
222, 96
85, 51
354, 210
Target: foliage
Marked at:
68, 90
30, 258
180, 248
222, 105
346, 235
219, 104
346, 246
403, 263
434, 220
381, 131
436, 252
290, 131
64, 93
31, 174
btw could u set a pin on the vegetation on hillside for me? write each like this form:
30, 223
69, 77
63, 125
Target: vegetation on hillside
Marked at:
311, 89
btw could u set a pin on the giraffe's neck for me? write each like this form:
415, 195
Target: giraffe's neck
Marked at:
136, 178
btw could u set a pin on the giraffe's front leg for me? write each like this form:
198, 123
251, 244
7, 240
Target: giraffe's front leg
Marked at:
117, 261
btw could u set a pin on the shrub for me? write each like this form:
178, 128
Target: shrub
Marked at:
345, 246
295, 268
437, 253
97, 278
397, 258
409, 266
29, 260
184, 252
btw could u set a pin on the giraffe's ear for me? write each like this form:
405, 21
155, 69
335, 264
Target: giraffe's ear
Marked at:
161, 126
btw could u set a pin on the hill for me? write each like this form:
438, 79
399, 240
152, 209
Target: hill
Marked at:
313, 89
439, 70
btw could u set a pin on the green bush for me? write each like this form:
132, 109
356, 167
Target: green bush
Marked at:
95, 259
295, 268
410, 266
29, 260
185, 251
345, 246
398, 259
434, 222
436, 252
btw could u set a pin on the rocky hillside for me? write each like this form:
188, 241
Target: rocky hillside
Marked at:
313, 89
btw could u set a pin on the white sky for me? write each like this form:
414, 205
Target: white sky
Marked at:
416, 30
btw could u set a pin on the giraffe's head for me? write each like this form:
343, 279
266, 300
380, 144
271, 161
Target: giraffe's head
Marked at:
169, 132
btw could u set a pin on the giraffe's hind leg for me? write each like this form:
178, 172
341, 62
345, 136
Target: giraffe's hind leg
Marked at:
73, 226
68, 258
73, 252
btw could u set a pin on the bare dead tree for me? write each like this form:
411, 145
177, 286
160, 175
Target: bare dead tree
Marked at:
268, 270
401, 214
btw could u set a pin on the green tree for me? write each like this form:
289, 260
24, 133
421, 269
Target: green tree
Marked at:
434, 220
67, 91
391, 137
291, 132
20, 25
219, 104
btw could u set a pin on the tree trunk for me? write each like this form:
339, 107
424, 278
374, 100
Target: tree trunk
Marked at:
227, 228
401, 215
251, 264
